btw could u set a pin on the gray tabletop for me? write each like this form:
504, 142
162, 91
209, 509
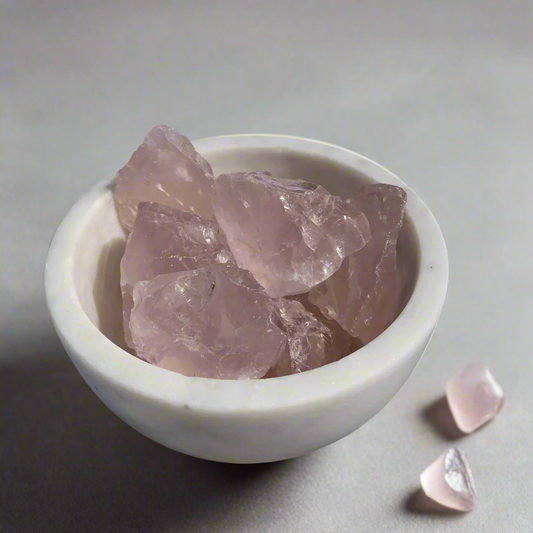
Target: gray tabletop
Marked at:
440, 92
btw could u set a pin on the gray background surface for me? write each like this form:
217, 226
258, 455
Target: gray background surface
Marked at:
439, 91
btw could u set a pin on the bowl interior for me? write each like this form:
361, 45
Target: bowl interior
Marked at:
102, 240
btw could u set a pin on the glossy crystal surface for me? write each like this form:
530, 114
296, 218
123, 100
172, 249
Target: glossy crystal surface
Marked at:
168, 170
474, 397
449, 481
364, 294
290, 234
166, 240
213, 322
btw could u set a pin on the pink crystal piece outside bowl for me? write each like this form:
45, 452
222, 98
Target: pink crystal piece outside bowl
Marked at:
251, 421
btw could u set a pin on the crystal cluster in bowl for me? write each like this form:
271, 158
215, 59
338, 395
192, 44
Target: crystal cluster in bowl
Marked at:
245, 275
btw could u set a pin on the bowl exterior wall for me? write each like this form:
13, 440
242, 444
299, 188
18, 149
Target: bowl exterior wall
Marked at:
248, 436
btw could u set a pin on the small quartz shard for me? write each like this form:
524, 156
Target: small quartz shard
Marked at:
312, 339
474, 397
166, 240
291, 235
168, 170
213, 322
364, 294
449, 481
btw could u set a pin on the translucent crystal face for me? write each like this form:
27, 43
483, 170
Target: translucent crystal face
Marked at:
449, 481
363, 295
312, 339
291, 235
168, 170
457, 473
166, 240
210, 322
474, 397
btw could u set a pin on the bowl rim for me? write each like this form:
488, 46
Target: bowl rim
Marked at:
372, 363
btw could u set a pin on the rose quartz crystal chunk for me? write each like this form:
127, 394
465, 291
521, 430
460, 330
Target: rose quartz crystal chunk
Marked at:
449, 481
363, 295
212, 322
312, 339
291, 235
166, 240
474, 397
168, 170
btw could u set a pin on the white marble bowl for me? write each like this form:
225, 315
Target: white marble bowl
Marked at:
241, 421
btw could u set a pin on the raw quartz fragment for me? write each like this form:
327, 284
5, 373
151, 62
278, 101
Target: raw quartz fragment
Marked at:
168, 170
212, 322
312, 339
166, 240
449, 481
218, 322
474, 397
290, 234
363, 295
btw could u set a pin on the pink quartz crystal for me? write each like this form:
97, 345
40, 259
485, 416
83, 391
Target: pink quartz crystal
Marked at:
474, 397
212, 322
449, 481
291, 235
312, 339
363, 296
166, 240
168, 170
